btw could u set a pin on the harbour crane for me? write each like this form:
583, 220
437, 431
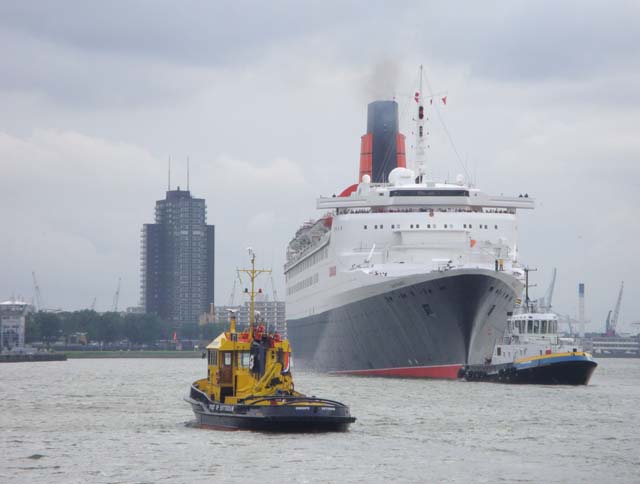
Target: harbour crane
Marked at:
38, 294
613, 322
546, 303
116, 297
93, 304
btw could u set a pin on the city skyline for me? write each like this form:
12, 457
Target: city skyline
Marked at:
270, 114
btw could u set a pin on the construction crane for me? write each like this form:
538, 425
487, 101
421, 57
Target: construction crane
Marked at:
93, 304
546, 302
116, 297
38, 294
273, 286
613, 322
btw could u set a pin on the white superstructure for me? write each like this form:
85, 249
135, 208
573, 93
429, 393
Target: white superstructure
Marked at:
375, 234
531, 334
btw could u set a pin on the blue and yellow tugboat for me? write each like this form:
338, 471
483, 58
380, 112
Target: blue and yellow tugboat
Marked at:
249, 385
532, 352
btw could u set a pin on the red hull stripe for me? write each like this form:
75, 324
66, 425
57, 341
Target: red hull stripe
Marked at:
449, 372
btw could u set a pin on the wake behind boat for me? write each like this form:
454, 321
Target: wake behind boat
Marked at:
249, 385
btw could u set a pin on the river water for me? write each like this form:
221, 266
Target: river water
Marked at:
124, 421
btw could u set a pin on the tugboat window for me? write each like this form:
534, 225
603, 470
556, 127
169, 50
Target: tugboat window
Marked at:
529, 326
227, 359
243, 359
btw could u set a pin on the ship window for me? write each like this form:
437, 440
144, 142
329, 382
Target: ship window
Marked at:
227, 358
543, 330
382, 226
529, 326
417, 226
428, 226
464, 226
243, 359
486, 227
393, 226
429, 193
470, 226
496, 227
498, 351
411, 225
375, 226
536, 326
445, 226
365, 227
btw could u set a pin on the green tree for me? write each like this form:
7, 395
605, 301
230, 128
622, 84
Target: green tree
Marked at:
33, 329
50, 326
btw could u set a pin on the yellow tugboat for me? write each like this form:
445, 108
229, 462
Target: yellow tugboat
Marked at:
249, 385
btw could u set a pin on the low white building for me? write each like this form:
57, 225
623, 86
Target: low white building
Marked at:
12, 324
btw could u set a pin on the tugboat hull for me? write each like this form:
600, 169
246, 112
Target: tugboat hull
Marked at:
560, 369
276, 414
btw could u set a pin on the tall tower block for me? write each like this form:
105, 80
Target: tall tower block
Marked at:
383, 148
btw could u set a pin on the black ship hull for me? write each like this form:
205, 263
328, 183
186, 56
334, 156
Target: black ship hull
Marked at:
425, 328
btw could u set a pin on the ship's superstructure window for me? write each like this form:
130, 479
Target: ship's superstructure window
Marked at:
429, 193
418, 226
304, 283
411, 225
318, 256
365, 227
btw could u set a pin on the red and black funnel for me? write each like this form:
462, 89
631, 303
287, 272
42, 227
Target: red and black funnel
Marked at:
382, 148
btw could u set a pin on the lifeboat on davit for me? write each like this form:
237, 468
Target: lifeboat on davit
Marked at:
249, 385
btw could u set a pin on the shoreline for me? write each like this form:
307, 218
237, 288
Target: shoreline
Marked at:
132, 354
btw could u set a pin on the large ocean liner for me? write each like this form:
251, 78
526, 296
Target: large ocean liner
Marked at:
402, 276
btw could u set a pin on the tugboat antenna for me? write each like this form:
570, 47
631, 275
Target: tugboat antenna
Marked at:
253, 274
527, 286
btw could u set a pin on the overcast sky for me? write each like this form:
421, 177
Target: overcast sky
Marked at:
268, 99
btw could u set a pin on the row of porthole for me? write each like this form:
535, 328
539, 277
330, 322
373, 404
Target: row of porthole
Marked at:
404, 295
500, 292
429, 226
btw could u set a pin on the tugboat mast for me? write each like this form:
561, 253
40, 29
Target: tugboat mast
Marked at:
253, 274
527, 301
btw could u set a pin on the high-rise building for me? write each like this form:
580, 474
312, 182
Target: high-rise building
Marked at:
177, 259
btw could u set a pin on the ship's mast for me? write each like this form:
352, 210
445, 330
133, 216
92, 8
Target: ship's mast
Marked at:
420, 158
253, 274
